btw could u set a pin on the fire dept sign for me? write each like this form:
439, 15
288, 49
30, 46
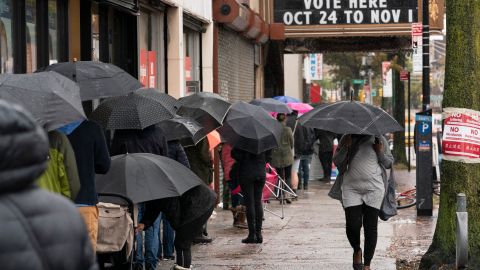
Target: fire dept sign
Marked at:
332, 12
461, 135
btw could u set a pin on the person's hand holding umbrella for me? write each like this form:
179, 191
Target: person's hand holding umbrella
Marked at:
378, 146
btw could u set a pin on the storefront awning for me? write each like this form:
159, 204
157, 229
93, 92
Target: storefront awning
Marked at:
127, 5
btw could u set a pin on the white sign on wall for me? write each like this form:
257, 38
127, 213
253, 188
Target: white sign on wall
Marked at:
387, 79
417, 46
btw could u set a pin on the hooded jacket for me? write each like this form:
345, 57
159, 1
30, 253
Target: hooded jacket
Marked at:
39, 230
61, 175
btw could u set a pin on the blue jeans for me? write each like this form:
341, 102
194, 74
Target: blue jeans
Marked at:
166, 246
304, 170
151, 242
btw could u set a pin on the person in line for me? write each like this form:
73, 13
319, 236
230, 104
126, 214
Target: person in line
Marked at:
61, 176
325, 152
282, 157
304, 138
166, 234
30, 214
230, 173
252, 173
91, 153
149, 140
201, 163
187, 214
362, 161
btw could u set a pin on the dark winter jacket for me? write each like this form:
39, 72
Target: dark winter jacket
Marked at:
176, 152
181, 211
91, 154
201, 160
304, 138
149, 140
326, 139
39, 230
249, 166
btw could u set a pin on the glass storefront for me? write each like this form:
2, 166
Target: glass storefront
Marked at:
192, 56
6, 52
31, 20
52, 32
151, 49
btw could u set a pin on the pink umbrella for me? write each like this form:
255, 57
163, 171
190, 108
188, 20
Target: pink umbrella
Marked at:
300, 107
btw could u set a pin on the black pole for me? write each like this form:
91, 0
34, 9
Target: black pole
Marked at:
409, 141
426, 55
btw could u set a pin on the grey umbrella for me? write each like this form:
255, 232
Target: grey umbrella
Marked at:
130, 112
251, 128
97, 79
143, 177
272, 105
188, 131
208, 109
53, 99
351, 117
166, 100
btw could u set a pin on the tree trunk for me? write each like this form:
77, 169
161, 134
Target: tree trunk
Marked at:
462, 90
399, 153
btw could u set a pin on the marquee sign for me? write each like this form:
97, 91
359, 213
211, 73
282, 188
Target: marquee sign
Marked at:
350, 12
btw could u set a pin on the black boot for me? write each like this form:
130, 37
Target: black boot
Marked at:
258, 229
251, 232
250, 239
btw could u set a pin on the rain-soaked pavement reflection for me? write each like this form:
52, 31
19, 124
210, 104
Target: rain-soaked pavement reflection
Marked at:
312, 236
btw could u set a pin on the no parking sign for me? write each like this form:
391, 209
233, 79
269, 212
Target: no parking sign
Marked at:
461, 135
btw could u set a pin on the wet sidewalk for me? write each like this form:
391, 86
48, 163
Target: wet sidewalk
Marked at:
311, 236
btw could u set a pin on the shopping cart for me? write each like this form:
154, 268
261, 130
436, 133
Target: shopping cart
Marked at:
276, 188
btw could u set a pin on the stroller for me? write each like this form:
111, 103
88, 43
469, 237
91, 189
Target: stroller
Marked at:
116, 231
277, 187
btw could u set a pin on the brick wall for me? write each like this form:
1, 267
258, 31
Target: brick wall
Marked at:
236, 76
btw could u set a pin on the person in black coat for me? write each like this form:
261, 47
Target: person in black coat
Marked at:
304, 139
186, 215
91, 154
251, 170
39, 230
177, 152
149, 140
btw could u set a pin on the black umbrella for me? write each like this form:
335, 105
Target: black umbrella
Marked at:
97, 79
166, 100
130, 112
143, 177
208, 109
188, 131
251, 128
351, 117
53, 99
272, 105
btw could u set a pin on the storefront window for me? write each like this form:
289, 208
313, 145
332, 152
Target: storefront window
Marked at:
192, 56
52, 32
6, 56
95, 33
31, 17
151, 52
